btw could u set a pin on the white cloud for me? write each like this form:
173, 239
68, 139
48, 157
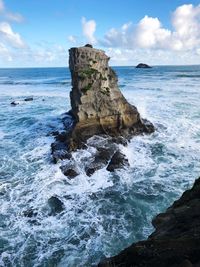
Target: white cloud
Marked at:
10, 37
72, 39
1, 6
149, 32
89, 28
5, 53
15, 17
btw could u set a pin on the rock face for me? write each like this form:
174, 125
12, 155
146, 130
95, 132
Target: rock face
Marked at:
175, 242
98, 106
143, 66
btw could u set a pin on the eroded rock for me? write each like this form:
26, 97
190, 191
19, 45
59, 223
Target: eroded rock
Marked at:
98, 105
98, 108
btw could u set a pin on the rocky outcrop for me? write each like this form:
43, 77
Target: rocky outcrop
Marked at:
175, 242
143, 66
98, 105
98, 109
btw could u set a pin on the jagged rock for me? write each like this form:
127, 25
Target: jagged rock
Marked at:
62, 137
101, 159
143, 66
69, 170
28, 99
59, 151
55, 205
117, 161
98, 106
175, 242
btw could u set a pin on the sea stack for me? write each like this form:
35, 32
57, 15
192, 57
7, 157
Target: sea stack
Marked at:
98, 105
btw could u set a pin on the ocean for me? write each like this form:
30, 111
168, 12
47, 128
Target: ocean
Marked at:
106, 212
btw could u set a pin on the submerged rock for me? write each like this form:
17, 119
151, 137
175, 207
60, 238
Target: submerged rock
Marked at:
175, 242
55, 205
70, 170
143, 66
30, 213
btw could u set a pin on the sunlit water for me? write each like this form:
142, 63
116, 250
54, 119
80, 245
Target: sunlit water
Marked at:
106, 212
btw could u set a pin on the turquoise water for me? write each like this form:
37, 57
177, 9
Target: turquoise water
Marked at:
106, 212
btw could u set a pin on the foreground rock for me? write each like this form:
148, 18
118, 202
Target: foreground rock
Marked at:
175, 242
143, 66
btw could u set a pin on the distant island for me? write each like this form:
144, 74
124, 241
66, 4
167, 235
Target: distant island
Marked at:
143, 66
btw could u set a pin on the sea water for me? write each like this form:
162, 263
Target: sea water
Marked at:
106, 212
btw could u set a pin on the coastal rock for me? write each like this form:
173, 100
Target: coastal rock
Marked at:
98, 106
14, 103
101, 159
55, 205
59, 151
28, 99
175, 242
70, 170
117, 161
143, 66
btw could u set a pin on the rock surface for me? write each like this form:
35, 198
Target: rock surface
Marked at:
143, 66
97, 103
175, 242
55, 205
117, 161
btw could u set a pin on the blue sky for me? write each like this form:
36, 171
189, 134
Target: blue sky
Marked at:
40, 32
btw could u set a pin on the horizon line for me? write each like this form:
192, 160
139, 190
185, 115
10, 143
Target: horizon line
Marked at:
54, 67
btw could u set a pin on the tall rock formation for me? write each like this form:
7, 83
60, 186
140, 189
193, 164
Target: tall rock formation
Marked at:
98, 108
97, 103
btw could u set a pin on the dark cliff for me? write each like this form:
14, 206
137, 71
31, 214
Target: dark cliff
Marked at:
175, 242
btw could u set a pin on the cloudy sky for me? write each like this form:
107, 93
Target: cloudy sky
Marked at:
38, 33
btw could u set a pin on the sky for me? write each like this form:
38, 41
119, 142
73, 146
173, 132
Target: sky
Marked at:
38, 33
